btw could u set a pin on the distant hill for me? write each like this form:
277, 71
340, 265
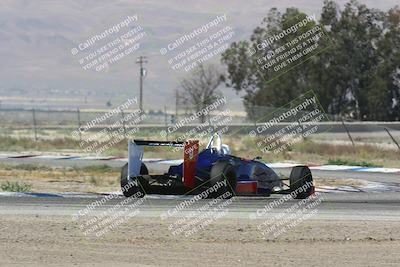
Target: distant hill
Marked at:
36, 38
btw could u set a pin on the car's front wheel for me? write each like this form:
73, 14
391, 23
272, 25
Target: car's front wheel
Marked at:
223, 179
301, 182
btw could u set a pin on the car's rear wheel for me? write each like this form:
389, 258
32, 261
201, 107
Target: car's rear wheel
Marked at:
223, 179
135, 186
301, 182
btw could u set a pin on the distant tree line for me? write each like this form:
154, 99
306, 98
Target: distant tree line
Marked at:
357, 77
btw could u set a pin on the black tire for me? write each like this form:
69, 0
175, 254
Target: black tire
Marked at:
223, 171
129, 188
299, 177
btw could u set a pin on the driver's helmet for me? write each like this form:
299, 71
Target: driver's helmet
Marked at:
226, 150
215, 144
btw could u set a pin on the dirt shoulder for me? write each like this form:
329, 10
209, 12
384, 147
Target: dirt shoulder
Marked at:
57, 240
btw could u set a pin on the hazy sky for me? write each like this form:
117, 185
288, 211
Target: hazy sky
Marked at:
36, 38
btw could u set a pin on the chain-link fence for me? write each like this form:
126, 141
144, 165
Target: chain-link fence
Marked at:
37, 123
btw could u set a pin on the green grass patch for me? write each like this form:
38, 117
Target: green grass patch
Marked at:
25, 167
97, 168
38, 167
15, 187
351, 163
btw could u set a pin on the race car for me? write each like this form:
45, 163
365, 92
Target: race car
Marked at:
212, 168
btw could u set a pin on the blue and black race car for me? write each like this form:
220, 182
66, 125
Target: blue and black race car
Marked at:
212, 168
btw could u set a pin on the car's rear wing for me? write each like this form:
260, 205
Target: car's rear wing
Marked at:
158, 143
191, 150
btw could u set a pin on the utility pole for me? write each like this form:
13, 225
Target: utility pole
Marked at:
140, 60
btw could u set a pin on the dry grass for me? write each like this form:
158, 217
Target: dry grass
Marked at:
8, 143
306, 151
366, 155
94, 179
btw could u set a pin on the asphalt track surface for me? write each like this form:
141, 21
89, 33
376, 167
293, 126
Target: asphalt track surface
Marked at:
332, 206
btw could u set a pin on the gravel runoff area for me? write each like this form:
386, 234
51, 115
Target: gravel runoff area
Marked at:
58, 241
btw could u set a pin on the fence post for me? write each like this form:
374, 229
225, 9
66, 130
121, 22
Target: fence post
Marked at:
79, 124
123, 123
166, 122
348, 132
391, 136
253, 115
34, 123
176, 104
